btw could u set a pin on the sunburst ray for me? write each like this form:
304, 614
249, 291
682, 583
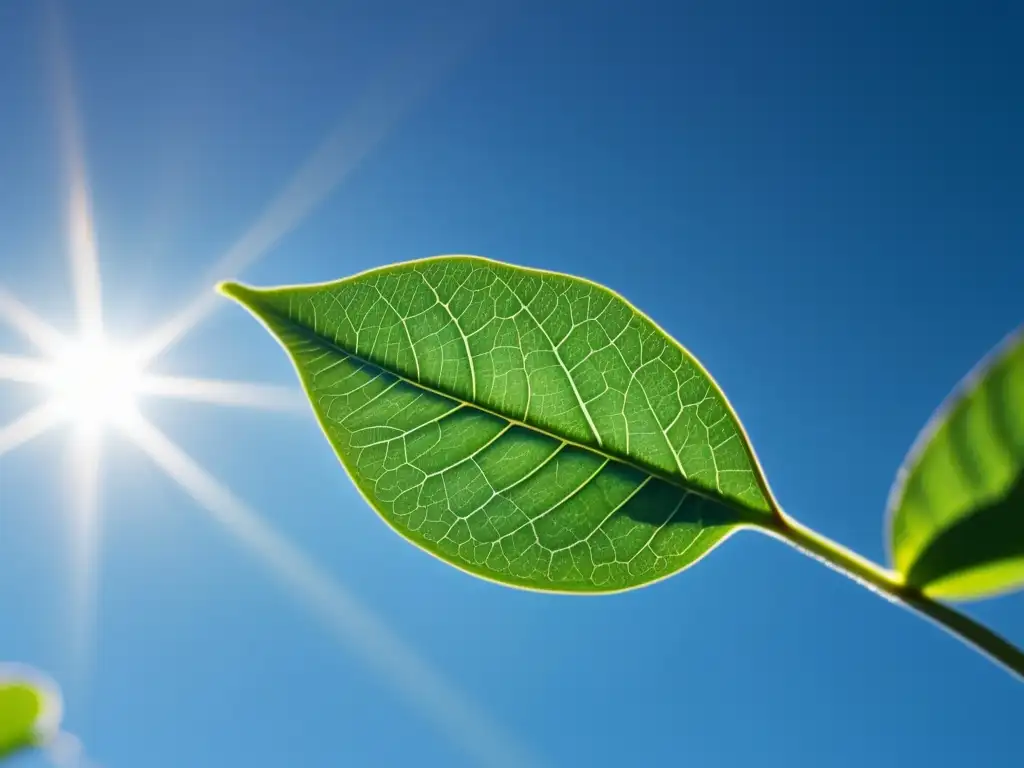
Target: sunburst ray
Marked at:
29, 426
85, 531
349, 620
231, 393
387, 98
40, 333
27, 370
85, 269
84, 260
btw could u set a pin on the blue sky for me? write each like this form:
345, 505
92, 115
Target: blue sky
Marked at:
821, 200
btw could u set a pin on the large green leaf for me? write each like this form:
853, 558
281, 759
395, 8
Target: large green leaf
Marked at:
957, 508
525, 426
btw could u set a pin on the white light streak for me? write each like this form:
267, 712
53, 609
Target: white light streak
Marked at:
29, 324
85, 531
385, 100
85, 268
229, 393
24, 369
27, 427
350, 621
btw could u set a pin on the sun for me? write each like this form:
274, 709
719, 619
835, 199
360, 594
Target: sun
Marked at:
95, 383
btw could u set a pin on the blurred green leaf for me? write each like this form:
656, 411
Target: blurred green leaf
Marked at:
20, 707
957, 509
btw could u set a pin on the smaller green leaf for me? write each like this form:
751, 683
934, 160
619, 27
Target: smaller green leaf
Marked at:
30, 709
957, 508
19, 707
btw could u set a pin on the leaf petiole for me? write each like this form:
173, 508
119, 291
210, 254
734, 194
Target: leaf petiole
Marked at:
889, 585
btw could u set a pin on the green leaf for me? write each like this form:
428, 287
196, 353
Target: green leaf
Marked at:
957, 508
20, 705
30, 709
525, 426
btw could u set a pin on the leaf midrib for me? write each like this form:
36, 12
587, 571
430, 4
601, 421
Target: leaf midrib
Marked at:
746, 514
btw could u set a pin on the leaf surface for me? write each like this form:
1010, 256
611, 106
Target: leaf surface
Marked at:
529, 427
957, 508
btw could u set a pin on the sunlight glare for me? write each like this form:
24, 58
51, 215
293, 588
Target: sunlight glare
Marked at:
95, 382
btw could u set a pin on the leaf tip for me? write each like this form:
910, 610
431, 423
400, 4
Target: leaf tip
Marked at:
236, 291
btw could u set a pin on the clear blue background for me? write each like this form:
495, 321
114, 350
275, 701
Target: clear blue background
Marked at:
821, 200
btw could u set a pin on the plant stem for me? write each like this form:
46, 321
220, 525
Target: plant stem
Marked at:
891, 586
